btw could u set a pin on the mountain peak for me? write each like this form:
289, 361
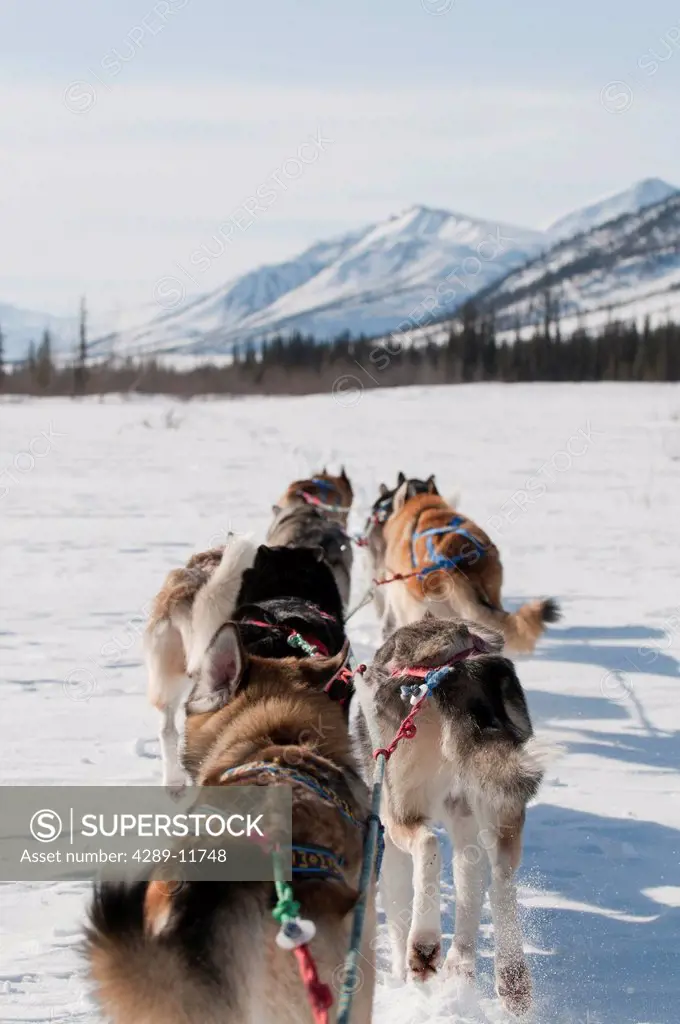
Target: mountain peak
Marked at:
642, 193
652, 190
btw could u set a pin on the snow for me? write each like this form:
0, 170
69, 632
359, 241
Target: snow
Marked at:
637, 197
128, 489
418, 265
627, 269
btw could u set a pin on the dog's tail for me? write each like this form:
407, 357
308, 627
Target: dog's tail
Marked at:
486, 732
129, 970
504, 774
507, 775
215, 603
521, 629
148, 946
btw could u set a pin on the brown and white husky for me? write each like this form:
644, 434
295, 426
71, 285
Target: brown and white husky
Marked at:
445, 564
206, 953
331, 494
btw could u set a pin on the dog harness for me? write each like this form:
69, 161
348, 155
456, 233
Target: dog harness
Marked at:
305, 642
317, 862
437, 559
326, 488
265, 769
340, 686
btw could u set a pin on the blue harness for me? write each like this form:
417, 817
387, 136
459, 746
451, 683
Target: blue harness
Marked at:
323, 485
438, 560
310, 861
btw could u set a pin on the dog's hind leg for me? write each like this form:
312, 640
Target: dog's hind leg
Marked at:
401, 608
168, 688
513, 981
469, 876
174, 776
423, 952
396, 890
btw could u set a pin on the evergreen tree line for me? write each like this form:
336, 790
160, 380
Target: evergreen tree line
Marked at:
301, 365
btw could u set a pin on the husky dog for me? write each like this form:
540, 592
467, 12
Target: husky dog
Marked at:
374, 540
449, 564
333, 495
206, 953
274, 593
309, 526
472, 766
187, 611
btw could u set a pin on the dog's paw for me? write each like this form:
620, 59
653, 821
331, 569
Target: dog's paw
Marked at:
513, 985
459, 965
423, 956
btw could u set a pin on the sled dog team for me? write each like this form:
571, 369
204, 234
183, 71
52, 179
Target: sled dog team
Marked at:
246, 645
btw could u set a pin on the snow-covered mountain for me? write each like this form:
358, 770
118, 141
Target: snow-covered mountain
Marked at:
22, 326
637, 197
409, 270
411, 267
628, 268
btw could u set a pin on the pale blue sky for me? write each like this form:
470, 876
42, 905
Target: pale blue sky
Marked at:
130, 130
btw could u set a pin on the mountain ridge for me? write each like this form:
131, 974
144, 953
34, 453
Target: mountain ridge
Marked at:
417, 265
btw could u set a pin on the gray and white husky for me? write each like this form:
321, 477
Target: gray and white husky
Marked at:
472, 766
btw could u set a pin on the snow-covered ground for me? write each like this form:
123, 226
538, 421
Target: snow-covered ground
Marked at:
102, 498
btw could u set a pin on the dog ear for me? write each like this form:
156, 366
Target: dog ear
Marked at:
383, 490
318, 672
324, 471
431, 485
400, 497
223, 663
343, 474
401, 479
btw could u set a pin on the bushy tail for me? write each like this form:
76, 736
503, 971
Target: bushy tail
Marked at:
503, 774
147, 975
215, 603
521, 629
129, 970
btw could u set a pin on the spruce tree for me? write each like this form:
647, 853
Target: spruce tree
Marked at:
44, 368
80, 370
